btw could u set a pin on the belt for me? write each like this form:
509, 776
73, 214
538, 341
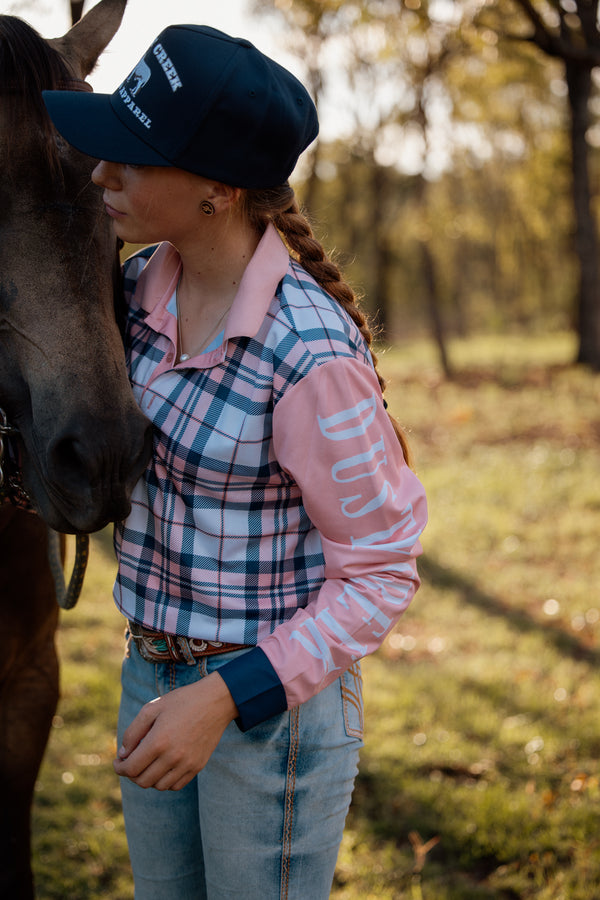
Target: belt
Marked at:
158, 646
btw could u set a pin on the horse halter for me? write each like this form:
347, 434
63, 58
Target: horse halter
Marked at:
11, 480
11, 484
12, 490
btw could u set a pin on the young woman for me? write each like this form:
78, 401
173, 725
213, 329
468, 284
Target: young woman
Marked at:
273, 537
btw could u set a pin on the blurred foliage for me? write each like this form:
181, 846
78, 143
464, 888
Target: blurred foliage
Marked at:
452, 134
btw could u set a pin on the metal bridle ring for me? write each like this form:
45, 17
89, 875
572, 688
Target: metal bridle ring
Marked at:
7, 429
67, 596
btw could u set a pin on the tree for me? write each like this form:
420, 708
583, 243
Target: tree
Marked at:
312, 25
448, 185
567, 30
384, 44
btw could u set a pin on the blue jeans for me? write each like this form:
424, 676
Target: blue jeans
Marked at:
264, 819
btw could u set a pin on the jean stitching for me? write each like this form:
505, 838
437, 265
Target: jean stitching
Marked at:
352, 698
290, 793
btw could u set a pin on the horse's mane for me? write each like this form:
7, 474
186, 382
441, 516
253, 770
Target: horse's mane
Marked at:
28, 66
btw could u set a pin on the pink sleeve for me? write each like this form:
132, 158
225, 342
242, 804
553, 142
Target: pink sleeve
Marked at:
333, 436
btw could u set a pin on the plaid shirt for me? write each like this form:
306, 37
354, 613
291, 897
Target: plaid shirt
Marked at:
252, 524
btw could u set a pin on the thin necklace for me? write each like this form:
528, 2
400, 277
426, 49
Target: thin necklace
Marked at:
183, 357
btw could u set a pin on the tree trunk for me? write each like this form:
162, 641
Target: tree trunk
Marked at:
433, 307
380, 300
431, 285
311, 185
579, 82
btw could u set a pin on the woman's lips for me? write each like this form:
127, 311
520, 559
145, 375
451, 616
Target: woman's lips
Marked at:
111, 211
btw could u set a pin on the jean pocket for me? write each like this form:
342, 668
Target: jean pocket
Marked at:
352, 701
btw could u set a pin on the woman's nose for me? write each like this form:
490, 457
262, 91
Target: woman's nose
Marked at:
106, 175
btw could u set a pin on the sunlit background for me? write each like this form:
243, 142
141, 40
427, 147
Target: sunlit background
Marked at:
144, 19
465, 209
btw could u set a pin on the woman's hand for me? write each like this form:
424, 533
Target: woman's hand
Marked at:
172, 738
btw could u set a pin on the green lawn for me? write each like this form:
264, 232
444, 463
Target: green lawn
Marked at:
480, 769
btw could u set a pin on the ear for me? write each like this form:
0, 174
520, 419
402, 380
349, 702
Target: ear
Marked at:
222, 196
83, 43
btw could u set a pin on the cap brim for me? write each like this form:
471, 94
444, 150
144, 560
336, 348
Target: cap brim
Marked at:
89, 122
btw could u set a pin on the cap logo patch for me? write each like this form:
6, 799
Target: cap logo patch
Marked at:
140, 76
167, 67
149, 120
132, 85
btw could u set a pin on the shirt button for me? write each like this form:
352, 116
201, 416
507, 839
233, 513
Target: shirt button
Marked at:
169, 357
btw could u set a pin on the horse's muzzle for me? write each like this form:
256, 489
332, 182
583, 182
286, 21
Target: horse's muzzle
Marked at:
88, 474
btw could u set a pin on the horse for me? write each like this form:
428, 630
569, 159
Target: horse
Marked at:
77, 438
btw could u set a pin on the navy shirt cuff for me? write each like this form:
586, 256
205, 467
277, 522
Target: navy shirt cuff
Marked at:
255, 687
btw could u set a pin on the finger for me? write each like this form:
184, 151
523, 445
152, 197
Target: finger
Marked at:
138, 729
157, 773
182, 782
147, 755
172, 781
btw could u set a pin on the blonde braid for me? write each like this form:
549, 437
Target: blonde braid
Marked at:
279, 205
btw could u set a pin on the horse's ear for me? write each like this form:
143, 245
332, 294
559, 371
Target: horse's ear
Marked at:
84, 42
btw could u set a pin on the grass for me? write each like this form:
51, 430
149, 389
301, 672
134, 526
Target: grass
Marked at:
479, 774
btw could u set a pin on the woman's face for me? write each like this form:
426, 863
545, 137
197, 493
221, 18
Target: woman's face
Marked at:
149, 204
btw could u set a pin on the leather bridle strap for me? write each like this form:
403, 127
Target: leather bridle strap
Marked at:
10, 480
67, 596
11, 490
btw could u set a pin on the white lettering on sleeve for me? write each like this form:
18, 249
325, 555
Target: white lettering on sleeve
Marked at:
353, 462
372, 611
330, 423
319, 649
406, 523
368, 507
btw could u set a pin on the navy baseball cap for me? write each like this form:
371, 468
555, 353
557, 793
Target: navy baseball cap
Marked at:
198, 100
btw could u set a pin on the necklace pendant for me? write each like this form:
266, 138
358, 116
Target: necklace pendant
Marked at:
184, 357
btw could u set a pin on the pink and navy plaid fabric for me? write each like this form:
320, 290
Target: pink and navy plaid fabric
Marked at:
219, 545
277, 510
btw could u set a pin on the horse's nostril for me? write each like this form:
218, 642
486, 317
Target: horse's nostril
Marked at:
69, 462
99, 463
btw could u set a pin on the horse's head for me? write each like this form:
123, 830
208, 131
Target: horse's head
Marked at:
63, 381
